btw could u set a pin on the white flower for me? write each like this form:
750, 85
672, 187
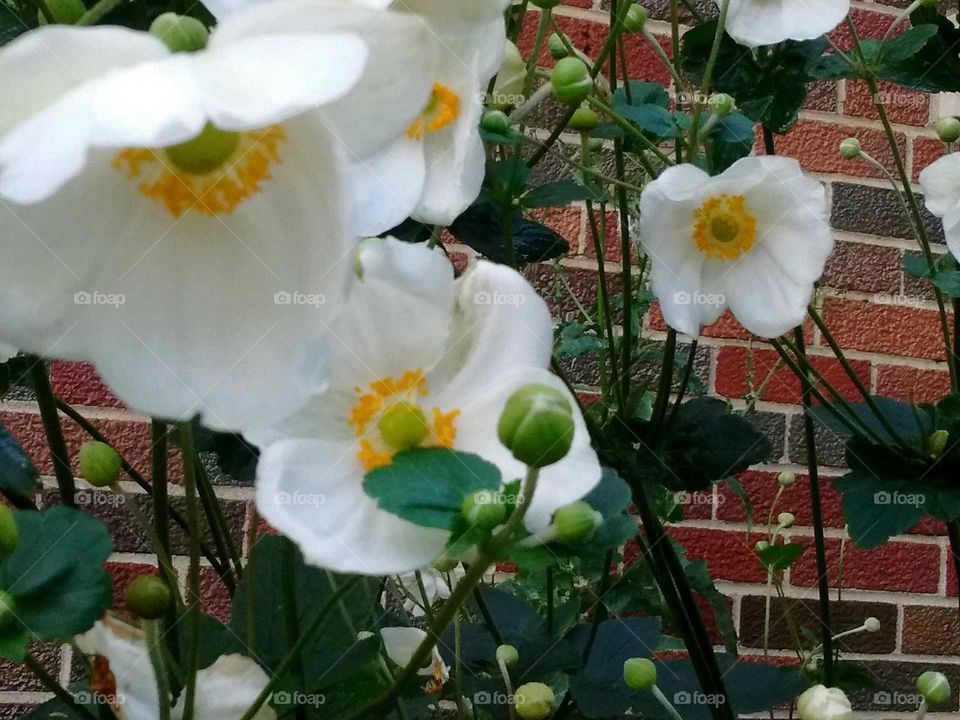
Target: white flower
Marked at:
6, 352
754, 239
177, 219
436, 585
401, 643
940, 183
767, 22
123, 677
414, 340
823, 703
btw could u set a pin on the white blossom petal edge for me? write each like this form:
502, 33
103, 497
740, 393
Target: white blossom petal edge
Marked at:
766, 22
940, 183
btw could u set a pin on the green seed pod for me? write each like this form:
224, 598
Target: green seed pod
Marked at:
786, 479
584, 119
571, 81
495, 122
148, 596
936, 443
9, 534
639, 673
576, 522
948, 129
556, 46
537, 425
850, 148
99, 464
934, 687
722, 104
634, 18
534, 701
180, 33
485, 508
508, 655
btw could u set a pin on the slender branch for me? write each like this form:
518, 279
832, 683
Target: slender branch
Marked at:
98, 12
54, 432
188, 450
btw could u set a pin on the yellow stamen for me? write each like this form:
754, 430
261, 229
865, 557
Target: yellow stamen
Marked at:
441, 110
207, 189
725, 228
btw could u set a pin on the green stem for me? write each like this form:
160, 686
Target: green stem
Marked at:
707, 80
151, 630
629, 128
188, 450
219, 529
487, 617
98, 12
684, 383
51, 684
661, 402
543, 26
291, 617
51, 425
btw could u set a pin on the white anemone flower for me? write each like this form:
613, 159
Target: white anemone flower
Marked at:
940, 183
421, 593
416, 342
766, 22
6, 352
123, 676
401, 643
178, 219
754, 239
823, 703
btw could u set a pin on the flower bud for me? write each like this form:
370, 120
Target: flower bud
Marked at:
761, 545
445, 563
99, 464
534, 701
936, 443
180, 33
148, 596
65, 12
721, 103
634, 18
511, 79
596, 144
9, 534
507, 655
934, 687
584, 119
786, 520
871, 625
485, 509
948, 128
786, 479
571, 80
639, 673
556, 46
537, 425
8, 611
403, 426
850, 148
823, 703
576, 522
495, 122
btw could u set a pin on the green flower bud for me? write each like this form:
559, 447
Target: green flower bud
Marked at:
148, 596
204, 153
786, 520
180, 33
571, 81
786, 479
871, 625
557, 47
850, 148
596, 144
9, 534
948, 129
507, 655
721, 103
8, 611
99, 464
65, 12
584, 119
639, 673
511, 79
445, 563
485, 509
934, 687
634, 18
537, 425
544, 4
761, 545
495, 122
576, 522
936, 443
403, 426
534, 701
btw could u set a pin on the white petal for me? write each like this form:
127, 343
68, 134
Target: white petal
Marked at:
940, 182
951, 229
387, 187
766, 22
312, 492
6, 352
226, 689
401, 643
447, 11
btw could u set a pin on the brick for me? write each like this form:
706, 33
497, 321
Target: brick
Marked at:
214, 596
912, 384
863, 267
565, 221
14, 678
728, 554
830, 444
898, 694
816, 145
822, 95
726, 326
908, 107
762, 488
783, 386
869, 25
613, 250
925, 152
806, 615
79, 384
885, 329
896, 566
931, 630
877, 211
660, 10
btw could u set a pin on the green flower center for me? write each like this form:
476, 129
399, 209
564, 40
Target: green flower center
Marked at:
723, 229
204, 153
403, 426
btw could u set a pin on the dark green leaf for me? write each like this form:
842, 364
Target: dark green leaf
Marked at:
18, 476
481, 227
780, 557
562, 192
916, 265
948, 282
642, 93
653, 119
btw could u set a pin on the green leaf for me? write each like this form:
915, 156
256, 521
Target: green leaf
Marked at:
427, 486
877, 508
18, 476
744, 496
562, 192
780, 557
916, 265
511, 137
904, 47
656, 120
698, 575
948, 282
642, 93
732, 140
575, 341
482, 228
924, 58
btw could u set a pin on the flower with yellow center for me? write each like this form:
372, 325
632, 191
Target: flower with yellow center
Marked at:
754, 239
418, 361
178, 219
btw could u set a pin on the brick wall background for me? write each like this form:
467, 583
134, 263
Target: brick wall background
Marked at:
885, 319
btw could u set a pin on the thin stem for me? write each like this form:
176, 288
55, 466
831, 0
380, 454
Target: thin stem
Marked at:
51, 684
684, 383
98, 12
661, 402
54, 432
667, 705
629, 128
600, 613
543, 26
487, 617
953, 532
151, 629
188, 450
707, 79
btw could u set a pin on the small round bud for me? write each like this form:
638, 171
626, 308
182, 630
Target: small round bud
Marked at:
595, 144
823, 703
722, 104
786, 520
495, 122
148, 596
634, 18
850, 148
639, 673
871, 625
403, 426
544, 4
534, 701
576, 522
445, 563
9, 534
65, 12
935, 444
206, 152
934, 687
948, 129
8, 611
99, 464
787, 479
584, 119
557, 47
507, 655
571, 81
537, 425
180, 33
485, 509
761, 545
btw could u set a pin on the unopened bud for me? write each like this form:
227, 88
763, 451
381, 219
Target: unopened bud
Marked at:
948, 129
871, 625
557, 47
934, 687
495, 122
722, 104
9, 534
823, 703
180, 33
786, 479
507, 655
584, 119
639, 673
634, 18
537, 425
576, 522
850, 148
534, 701
761, 546
786, 520
148, 596
99, 464
935, 444
485, 509
571, 81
